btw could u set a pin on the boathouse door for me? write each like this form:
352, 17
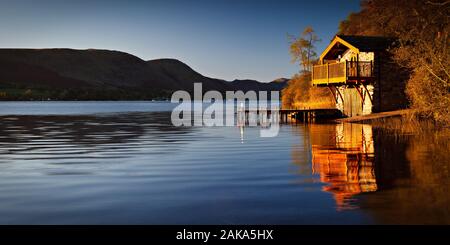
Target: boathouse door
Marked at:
352, 103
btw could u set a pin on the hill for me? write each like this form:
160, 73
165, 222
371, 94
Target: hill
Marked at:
103, 74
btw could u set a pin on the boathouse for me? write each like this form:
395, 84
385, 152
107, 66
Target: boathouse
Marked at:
360, 73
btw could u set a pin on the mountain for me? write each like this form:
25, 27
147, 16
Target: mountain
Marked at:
103, 74
246, 85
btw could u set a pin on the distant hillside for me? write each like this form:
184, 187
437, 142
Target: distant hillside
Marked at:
102, 74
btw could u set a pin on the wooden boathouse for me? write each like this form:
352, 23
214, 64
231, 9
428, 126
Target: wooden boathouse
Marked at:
360, 73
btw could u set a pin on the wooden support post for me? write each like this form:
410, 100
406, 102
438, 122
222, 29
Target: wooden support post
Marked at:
368, 94
360, 95
345, 71
332, 90
328, 73
357, 68
340, 95
371, 68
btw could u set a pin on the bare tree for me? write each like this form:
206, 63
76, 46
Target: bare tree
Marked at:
303, 49
299, 92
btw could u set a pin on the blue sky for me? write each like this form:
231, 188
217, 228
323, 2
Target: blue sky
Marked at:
223, 39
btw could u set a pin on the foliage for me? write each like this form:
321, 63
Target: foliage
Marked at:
299, 93
13, 94
422, 29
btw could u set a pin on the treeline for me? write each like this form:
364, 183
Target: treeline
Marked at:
42, 94
24, 93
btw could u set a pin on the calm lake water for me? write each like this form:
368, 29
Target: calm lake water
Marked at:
124, 163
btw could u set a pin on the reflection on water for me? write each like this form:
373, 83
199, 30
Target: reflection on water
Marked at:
136, 168
348, 165
413, 172
397, 179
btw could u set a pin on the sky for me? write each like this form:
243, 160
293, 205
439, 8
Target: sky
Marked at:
221, 39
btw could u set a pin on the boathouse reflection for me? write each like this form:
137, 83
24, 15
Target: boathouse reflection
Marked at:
345, 163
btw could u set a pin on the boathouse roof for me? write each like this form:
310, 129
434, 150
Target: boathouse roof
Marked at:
341, 43
368, 43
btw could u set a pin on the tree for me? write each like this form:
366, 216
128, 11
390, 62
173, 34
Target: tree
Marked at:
300, 93
303, 49
422, 28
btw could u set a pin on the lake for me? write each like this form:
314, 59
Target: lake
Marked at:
125, 163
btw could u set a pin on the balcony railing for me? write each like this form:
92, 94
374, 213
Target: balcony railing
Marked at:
342, 72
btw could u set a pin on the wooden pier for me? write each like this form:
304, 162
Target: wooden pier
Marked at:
306, 115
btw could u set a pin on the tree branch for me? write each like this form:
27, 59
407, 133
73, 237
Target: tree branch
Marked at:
438, 4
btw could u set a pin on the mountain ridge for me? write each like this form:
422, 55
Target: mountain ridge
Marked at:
122, 75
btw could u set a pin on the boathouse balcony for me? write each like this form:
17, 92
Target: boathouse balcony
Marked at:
346, 72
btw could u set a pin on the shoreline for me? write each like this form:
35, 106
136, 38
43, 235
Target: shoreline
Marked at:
374, 116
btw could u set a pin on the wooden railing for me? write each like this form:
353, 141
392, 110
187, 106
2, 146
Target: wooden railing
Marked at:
342, 72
